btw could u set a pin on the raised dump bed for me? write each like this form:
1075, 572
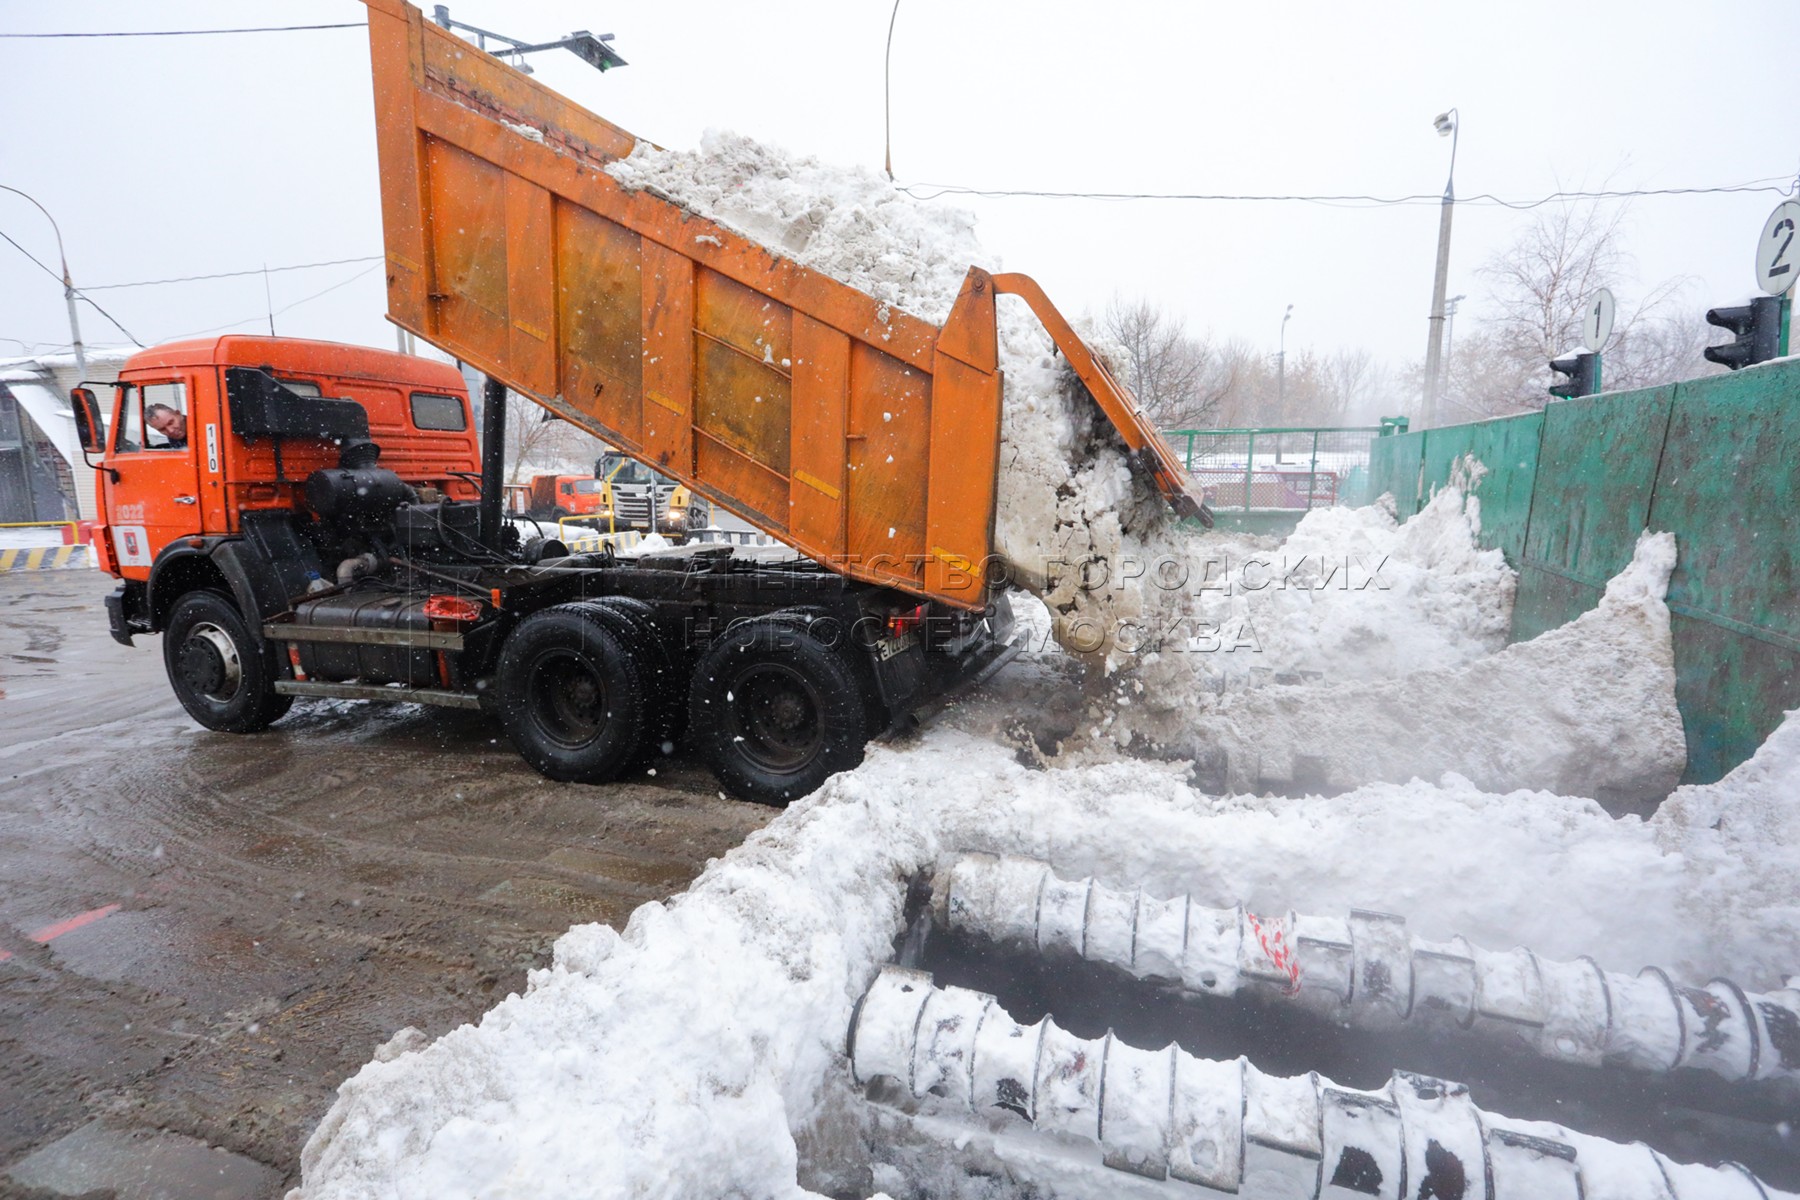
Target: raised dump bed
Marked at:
866, 438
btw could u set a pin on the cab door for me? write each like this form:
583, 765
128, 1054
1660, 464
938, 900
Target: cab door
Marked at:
152, 488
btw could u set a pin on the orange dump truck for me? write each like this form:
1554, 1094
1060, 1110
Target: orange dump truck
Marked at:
866, 438
299, 521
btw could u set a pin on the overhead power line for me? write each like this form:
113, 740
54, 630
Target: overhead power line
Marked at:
187, 32
336, 262
284, 308
933, 191
86, 298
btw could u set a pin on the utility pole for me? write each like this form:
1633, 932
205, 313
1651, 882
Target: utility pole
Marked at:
1281, 378
68, 286
1281, 366
1449, 342
1448, 124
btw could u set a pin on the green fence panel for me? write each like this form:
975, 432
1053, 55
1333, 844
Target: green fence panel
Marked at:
1714, 461
1508, 448
1728, 490
1595, 474
1394, 469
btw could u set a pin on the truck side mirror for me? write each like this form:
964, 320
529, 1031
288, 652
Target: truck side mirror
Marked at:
88, 425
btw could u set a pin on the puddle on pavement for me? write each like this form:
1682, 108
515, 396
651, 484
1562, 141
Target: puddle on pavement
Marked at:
136, 1164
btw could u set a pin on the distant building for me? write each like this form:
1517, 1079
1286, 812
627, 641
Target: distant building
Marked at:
42, 475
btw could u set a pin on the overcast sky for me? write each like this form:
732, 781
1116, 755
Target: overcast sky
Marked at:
167, 157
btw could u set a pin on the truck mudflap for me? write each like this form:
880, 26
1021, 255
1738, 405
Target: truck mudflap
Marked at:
124, 606
976, 669
922, 670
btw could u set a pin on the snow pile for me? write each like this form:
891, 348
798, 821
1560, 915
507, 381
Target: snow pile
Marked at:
701, 1052
1359, 595
1587, 709
849, 223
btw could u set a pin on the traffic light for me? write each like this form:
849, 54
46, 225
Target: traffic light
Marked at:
1583, 371
1756, 327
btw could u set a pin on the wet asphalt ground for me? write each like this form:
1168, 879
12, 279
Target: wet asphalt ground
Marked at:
203, 934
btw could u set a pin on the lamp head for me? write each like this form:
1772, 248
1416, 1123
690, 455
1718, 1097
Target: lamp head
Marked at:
1444, 123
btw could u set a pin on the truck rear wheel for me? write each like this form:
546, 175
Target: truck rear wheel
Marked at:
222, 673
571, 694
775, 711
665, 677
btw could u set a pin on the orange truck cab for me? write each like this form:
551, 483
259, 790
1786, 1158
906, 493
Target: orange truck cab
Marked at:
556, 496
189, 465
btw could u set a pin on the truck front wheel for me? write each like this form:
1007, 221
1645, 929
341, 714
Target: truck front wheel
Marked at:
572, 694
222, 674
775, 711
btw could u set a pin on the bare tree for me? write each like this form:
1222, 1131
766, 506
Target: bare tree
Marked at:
1538, 290
537, 442
1175, 375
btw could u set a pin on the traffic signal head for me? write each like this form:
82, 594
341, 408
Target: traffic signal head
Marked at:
1583, 371
1756, 328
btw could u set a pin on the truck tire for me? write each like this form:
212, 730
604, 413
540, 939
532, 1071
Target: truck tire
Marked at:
775, 711
222, 673
571, 694
665, 677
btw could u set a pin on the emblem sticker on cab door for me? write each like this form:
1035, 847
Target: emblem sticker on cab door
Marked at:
132, 546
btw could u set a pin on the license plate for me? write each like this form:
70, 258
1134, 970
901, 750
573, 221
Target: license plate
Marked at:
886, 648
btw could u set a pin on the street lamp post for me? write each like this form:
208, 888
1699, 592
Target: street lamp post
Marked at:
1281, 377
1448, 124
68, 287
1449, 343
1281, 365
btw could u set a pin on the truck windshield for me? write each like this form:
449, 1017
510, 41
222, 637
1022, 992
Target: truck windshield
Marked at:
587, 487
620, 469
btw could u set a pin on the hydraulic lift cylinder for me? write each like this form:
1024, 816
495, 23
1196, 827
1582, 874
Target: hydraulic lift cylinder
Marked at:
493, 460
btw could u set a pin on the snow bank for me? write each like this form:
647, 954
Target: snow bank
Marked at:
1587, 709
701, 1052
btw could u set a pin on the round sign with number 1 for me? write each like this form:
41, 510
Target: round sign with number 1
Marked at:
1778, 254
1597, 320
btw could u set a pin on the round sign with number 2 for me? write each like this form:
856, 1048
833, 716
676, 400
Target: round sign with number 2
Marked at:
1779, 251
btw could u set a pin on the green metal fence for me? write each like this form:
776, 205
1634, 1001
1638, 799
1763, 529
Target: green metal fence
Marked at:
1567, 491
1274, 469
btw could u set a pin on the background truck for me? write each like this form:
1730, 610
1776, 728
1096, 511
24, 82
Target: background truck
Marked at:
319, 532
553, 497
648, 500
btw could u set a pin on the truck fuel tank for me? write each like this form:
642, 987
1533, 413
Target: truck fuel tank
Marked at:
414, 666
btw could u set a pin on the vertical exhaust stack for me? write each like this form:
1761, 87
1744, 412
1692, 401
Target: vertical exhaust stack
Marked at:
493, 460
